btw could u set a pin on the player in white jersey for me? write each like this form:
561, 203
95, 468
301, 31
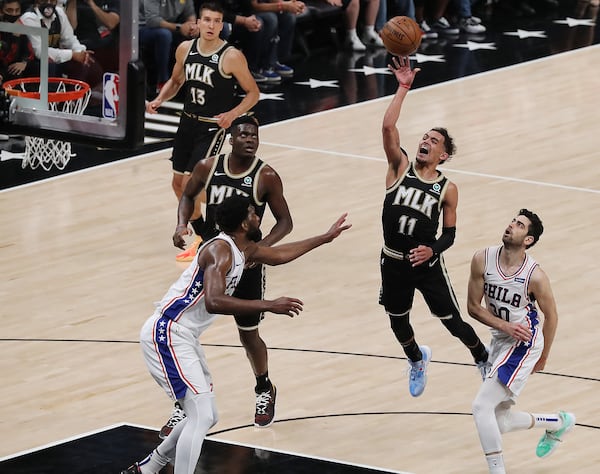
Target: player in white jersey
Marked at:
169, 338
512, 283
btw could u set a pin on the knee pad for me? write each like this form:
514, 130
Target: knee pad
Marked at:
479, 407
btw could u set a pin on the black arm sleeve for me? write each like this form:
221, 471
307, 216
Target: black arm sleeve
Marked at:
445, 241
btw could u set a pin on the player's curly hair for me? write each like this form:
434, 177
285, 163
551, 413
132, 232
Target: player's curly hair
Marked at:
536, 228
232, 212
449, 144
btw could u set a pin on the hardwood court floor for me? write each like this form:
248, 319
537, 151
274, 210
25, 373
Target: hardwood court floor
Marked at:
84, 256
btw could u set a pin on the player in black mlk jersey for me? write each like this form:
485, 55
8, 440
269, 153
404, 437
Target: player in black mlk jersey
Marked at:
210, 71
242, 172
417, 194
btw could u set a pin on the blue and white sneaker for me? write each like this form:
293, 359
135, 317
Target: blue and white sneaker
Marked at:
270, 75
258, 77
418, 372
283, 70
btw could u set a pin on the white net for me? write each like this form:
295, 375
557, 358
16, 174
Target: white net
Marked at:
48, 152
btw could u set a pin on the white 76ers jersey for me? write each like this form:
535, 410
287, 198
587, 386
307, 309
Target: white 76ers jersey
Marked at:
507, 296
184, 301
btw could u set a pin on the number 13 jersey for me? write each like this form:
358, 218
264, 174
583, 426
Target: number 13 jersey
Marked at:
208, 90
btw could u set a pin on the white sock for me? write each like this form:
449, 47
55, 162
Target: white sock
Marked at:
153, 463
370, 30
352, 35
550, 422
495, 463
513, 421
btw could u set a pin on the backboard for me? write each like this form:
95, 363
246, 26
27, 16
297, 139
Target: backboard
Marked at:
114, 117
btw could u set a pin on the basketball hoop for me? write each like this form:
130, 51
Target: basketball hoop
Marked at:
70, 96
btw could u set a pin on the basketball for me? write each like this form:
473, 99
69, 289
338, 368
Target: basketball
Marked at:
401, 36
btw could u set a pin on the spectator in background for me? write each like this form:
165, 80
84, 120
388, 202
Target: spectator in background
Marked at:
428, 33
96, 23
164, 24
245, 31
16, 53
66, 55
394, 8
369, 36
435, 11
460, 11
279, 24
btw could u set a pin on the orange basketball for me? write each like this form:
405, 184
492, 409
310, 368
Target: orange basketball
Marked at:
401, 36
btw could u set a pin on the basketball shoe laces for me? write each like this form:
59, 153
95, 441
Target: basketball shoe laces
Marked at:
263, 400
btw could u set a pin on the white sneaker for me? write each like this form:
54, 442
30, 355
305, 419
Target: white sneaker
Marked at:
370, 39
442, 26
468, 25
355, 44
428, 33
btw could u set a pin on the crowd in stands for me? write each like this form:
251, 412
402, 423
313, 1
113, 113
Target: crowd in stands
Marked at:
82, 39
83, 34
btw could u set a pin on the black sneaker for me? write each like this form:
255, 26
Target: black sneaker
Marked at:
265, 407
177, 415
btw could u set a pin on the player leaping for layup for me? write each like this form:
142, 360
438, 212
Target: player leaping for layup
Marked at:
417, 195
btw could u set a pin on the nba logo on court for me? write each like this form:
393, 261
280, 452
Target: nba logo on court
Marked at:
110, 95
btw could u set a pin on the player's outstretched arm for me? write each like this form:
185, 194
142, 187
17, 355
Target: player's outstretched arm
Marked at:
284, 253
216, 260
397, 160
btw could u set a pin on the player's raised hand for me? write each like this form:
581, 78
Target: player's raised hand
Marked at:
401, 68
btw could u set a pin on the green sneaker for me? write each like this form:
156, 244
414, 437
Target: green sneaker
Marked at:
551, 439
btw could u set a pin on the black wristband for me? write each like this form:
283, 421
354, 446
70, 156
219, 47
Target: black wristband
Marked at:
445, 241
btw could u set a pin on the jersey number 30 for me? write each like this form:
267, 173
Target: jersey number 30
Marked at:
500, 312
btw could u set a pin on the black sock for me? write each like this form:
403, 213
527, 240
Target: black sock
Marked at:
263, 383
479, 352
412, 351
